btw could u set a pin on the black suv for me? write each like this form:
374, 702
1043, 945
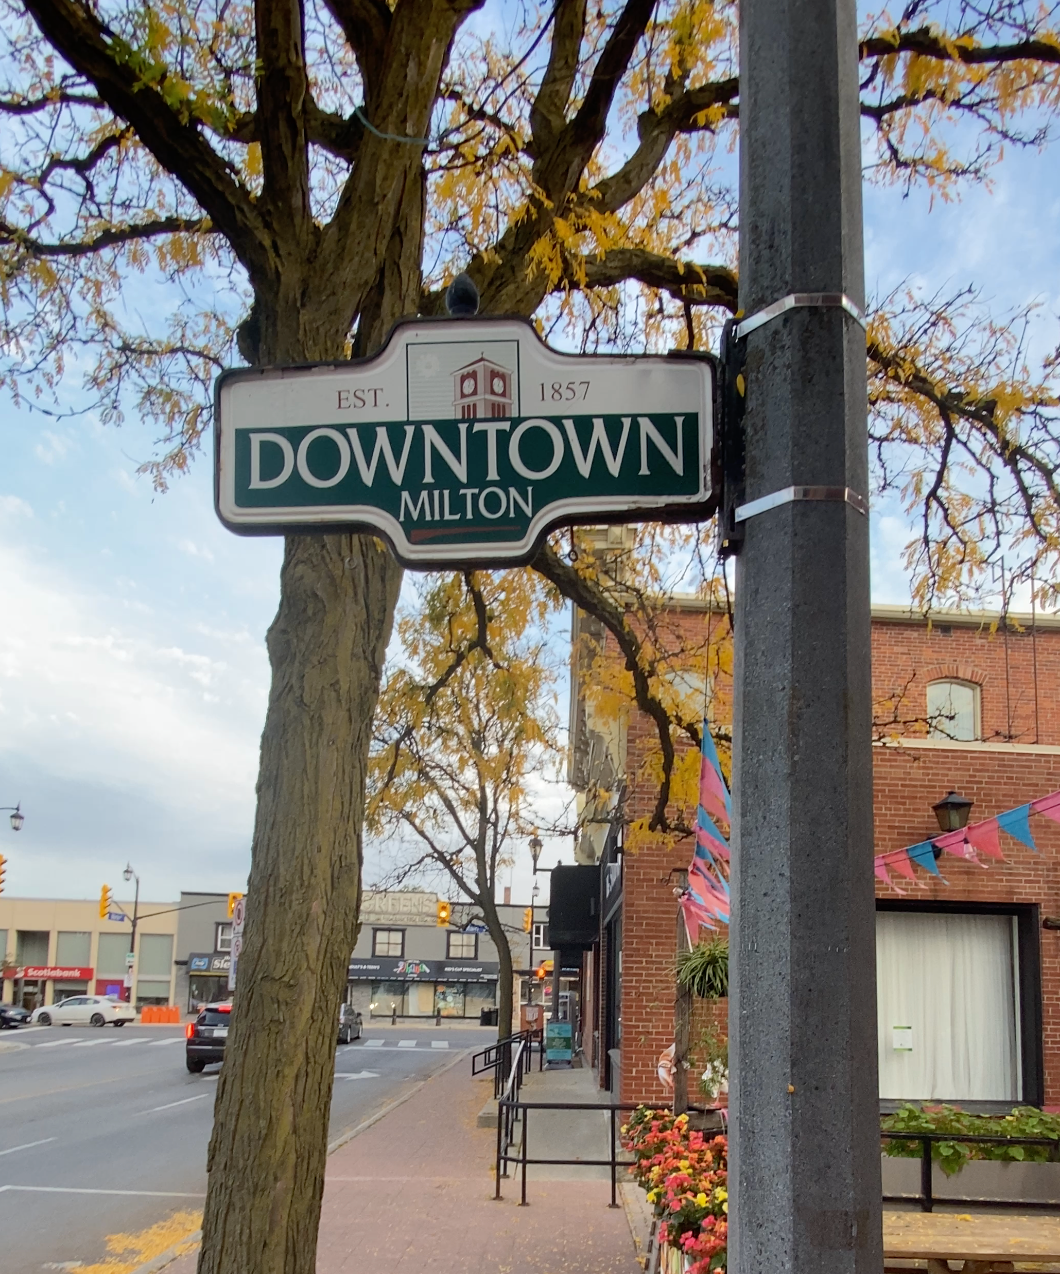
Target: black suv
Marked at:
207, 1036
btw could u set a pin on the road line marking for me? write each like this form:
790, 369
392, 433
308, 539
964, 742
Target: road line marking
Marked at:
179, 1039
406, 1044
52, 1043
374, 1043
439, 1043
90, 1043
147, 1194
169, 1105
27, 1146
356, 1074
140, 1039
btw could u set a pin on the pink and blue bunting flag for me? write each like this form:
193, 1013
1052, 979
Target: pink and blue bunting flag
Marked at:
713, 793
1049, 806
1017, 823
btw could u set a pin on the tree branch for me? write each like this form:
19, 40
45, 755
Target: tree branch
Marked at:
178, 145
106, 238
929, 43
283, 92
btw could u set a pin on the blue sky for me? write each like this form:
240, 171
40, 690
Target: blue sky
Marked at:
133, 674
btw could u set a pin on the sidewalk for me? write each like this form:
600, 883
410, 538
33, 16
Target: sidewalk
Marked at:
414, 1193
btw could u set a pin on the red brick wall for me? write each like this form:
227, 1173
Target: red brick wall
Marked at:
907, 782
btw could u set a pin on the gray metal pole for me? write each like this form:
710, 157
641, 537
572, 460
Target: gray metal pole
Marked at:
805, 1158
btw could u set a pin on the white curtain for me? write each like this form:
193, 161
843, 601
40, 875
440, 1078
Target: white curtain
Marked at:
951, 979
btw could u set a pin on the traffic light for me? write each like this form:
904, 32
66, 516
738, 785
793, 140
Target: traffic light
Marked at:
232, 900
528, 919
445, 910
3, 870
104, 902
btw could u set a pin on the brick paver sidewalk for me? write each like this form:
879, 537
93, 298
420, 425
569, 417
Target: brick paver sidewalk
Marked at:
414, 1193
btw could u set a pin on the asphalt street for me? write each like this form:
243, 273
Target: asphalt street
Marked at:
105, 1131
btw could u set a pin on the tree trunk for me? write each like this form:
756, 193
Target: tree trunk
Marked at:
266, 1160
504, 970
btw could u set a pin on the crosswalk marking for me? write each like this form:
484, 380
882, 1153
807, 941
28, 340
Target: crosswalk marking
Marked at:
140, 1039
406, 1043
374, 1043
439, 1043
91, 1043
178, 1039
54, 1043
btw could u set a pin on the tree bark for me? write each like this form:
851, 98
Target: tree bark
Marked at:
266, 1160
504, 970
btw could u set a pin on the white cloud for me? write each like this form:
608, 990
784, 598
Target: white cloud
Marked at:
11, 506
51, 448
195, 550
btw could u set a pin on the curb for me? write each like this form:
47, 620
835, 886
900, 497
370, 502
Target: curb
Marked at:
165, 1258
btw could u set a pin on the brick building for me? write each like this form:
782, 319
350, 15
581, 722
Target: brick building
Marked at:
963, 703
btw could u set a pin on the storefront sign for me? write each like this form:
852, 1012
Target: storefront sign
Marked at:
558, 1042
463, 442
46, 972
391, 969
208, 963
406, 907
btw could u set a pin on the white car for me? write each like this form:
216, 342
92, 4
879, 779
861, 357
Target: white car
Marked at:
85, 1010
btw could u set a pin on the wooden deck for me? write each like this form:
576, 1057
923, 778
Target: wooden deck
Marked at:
984, 1241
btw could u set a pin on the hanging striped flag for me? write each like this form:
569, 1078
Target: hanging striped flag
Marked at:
705, 902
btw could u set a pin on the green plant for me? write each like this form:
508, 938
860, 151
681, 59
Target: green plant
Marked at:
951, 1156
705, 969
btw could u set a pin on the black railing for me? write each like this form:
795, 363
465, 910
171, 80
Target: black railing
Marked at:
927, 1197
512, 1113
498, 1058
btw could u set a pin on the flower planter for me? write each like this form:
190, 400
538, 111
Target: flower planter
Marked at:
993, 1180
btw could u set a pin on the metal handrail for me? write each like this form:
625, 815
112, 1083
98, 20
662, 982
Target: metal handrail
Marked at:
927, 1197
498, 1057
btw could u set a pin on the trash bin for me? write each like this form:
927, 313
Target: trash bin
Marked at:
488, 1017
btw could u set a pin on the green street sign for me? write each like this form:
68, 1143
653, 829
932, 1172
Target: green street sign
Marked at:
463, 442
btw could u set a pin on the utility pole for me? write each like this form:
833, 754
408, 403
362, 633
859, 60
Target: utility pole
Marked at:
804, 1173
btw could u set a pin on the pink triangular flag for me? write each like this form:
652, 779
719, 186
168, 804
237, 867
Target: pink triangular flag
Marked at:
880, 869
1049, 806
954, 842
985, 838
899, 861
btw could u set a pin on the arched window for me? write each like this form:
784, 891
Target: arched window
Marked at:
953, 710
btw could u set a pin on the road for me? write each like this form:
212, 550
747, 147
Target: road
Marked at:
105, 1131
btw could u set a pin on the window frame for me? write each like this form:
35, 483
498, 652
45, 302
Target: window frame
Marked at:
936, 732
539, 935
219, 935
400, 955
1028, 981
450, 954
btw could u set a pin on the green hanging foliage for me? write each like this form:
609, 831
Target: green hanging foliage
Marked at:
705, 969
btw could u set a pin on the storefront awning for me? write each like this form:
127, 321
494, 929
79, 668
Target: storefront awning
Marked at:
395, 969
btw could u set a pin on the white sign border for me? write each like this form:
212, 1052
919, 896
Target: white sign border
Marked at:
433, 555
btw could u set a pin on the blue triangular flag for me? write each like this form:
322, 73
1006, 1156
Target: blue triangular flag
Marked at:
924, 854
1017, 823
707, 823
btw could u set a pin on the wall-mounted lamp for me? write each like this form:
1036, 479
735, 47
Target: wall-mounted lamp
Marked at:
952, 812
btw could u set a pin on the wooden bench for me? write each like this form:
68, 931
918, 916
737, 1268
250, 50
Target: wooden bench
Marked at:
987, 1243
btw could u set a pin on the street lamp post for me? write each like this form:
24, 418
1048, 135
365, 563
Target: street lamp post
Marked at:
17, 817
129, 874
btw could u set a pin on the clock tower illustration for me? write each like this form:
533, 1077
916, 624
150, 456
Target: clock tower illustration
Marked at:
482, 390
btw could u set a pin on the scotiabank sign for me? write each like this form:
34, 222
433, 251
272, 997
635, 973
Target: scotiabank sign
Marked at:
58, 973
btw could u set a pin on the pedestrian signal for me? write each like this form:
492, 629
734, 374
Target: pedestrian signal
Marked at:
232, 900
104, 902
3, 872
528, 919
445, 910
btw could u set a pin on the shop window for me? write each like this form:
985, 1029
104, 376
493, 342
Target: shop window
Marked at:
449, 999
541, 935
953, 710
223, 937
388, 942
388, 998
111, 950
31, 946
148, 992
3, 946
461, 946
72, 950
156, 956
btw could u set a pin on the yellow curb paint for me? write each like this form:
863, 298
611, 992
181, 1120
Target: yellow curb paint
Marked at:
127, 1252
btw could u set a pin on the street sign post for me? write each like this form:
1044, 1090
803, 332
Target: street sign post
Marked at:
463, 441
239, 915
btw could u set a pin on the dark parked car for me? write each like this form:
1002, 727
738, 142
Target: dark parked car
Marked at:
349, 1024
207, 1035
12, 1015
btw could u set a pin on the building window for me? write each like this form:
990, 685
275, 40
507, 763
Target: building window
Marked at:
461, 946
953, 710
540, 935
388, 942
223, 940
